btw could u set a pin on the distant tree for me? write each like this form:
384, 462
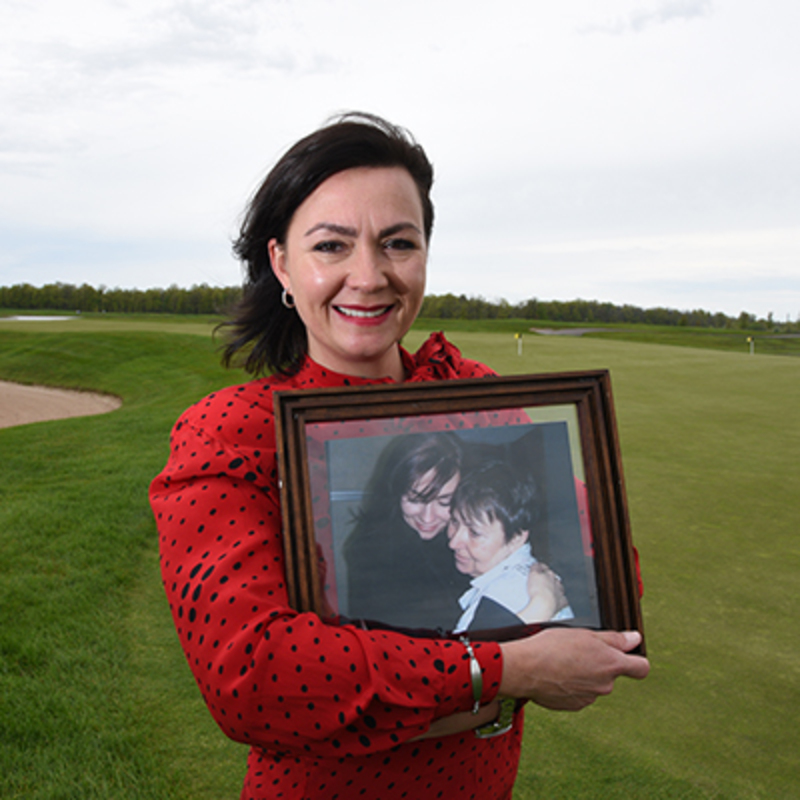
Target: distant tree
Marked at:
204, 299
200, 299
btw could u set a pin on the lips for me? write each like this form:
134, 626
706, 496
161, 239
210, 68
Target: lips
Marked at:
357, 312
428, 530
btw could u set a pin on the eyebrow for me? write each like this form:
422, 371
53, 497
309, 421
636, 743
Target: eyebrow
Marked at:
344, 230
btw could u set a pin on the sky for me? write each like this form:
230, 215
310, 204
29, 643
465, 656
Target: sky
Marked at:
626, 151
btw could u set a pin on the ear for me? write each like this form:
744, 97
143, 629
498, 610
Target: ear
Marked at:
277, 259
519, 539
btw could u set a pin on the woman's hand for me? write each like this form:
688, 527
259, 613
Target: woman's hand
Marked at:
566, 669
546, 592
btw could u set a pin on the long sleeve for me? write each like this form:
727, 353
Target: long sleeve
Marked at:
270, 676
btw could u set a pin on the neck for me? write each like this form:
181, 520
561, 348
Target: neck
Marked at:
389, 365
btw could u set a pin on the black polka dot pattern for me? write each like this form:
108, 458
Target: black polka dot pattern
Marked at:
329, 711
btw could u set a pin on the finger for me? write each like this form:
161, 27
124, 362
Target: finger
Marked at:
621, 640
632, 666
637, 667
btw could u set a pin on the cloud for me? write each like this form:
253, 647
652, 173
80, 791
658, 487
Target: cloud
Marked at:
189, 33
567, 164
116, 261
664, 12
88, 78
145, 46
747, 270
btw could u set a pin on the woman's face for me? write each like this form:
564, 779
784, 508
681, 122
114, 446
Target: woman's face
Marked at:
354, 261
480, 544
431, 517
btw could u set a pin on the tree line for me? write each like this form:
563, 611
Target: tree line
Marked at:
204, 299
450, 306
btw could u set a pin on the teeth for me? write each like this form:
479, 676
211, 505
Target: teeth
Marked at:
352, 312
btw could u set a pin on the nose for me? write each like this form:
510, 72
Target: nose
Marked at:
367, 270
454, 536
428, 512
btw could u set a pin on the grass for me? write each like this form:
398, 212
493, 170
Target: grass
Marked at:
91, 677
709, 441
97, 702
202, 325
198, 324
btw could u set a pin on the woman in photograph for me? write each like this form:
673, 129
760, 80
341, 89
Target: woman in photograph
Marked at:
493, 512
335, 243
400, 570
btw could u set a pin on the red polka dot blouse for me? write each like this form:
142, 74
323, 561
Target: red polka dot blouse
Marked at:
328, 711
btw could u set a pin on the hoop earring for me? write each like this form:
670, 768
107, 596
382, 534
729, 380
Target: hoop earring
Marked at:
287, 299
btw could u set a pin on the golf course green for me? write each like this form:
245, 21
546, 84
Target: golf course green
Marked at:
96, 700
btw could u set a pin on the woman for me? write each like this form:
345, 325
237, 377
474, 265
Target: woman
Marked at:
493, 512
335, 243
400, 571
400, 568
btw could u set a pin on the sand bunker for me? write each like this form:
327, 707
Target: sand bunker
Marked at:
20, 405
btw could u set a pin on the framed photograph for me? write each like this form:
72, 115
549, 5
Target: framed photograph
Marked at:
494, 507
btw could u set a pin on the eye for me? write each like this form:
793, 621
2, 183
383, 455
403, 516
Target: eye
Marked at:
399, 243
328, 246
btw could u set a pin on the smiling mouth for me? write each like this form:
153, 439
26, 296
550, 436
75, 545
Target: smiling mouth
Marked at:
363, 313
429, 528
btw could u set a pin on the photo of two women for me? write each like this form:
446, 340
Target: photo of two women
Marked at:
481, 531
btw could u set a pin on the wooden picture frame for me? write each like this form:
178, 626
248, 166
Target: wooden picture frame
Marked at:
556, 432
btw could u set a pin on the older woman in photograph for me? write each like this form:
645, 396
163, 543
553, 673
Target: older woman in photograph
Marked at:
493, 512
335, 242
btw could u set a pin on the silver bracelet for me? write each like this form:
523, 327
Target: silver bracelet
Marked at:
475, 674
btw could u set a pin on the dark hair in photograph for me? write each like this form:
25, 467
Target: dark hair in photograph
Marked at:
495, 491
402, 463
262, 334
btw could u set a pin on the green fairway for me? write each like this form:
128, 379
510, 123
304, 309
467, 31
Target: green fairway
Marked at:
96, 700
201, 325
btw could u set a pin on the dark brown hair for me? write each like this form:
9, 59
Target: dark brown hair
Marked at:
496, 491
403, 462
262, 334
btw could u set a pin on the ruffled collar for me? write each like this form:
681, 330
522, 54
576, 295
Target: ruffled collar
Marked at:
437, 359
